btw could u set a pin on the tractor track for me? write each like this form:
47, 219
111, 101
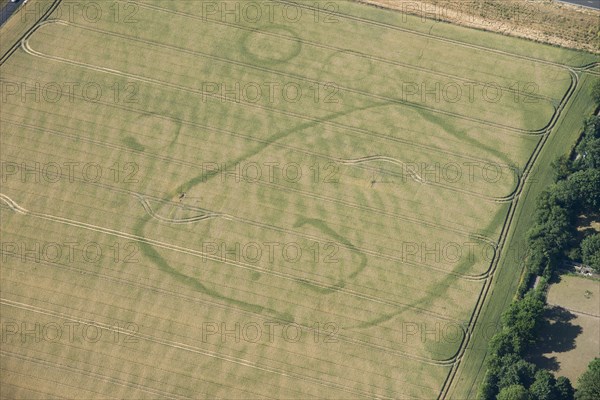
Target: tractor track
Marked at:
544, 132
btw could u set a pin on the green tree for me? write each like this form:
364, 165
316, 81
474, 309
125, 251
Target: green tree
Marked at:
503, 343
588, 149
522, 320
589, 382
554, 235
564, 389
596, 91
586, 186
544, 387
488, 388
590, 251
517, 372
562, 167
563, 195
514, 392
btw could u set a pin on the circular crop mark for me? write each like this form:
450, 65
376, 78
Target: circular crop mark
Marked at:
151, 132
272, 45
348, 66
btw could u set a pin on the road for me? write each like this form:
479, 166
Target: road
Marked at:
586, 3
8, 10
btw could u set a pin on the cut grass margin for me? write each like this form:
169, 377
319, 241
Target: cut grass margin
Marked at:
505, 282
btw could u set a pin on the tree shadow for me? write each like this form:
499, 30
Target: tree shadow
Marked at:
585, 225
587, 219
556, 334
556, 276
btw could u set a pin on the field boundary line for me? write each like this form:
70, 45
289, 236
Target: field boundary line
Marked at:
193, 349
143, 199
480, 237
28, 49
507, 227
192, 252
4, 371
499, 199
314, 44
174, 334
574, 311
91, 374
17, 44
121, 371
212, 303
430, 36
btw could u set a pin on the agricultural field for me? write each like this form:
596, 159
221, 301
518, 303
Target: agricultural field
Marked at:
284, 200
571, 338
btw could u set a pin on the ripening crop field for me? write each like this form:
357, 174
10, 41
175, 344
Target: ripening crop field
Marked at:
239, 200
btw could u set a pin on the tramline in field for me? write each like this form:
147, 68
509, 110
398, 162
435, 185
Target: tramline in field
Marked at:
310, 205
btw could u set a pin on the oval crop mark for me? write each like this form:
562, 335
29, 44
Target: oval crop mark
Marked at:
274, 45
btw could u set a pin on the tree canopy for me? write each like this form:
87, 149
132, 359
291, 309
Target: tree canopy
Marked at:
590, 251
589, 382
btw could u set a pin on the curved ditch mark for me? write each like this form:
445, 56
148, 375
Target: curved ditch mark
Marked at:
193, 349
569, 69
203, 178
242, 265
424, 146
360, 131
167, 320
26, 46
251, 138
427, 35
195, 299
327, 230
30, 51
379, 97
280, 317
337, 125
480, 237
401, 217
343, 243
456, 132
159, 246
329, 47
350, 162
203, 211
154, 255
358, 161
503, 238
28, 32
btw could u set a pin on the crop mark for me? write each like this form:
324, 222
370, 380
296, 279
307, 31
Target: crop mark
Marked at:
191, 349
387, 100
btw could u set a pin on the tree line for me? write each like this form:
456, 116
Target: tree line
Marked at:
552, 240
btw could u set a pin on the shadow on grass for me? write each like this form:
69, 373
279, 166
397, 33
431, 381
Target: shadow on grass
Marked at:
557, 334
